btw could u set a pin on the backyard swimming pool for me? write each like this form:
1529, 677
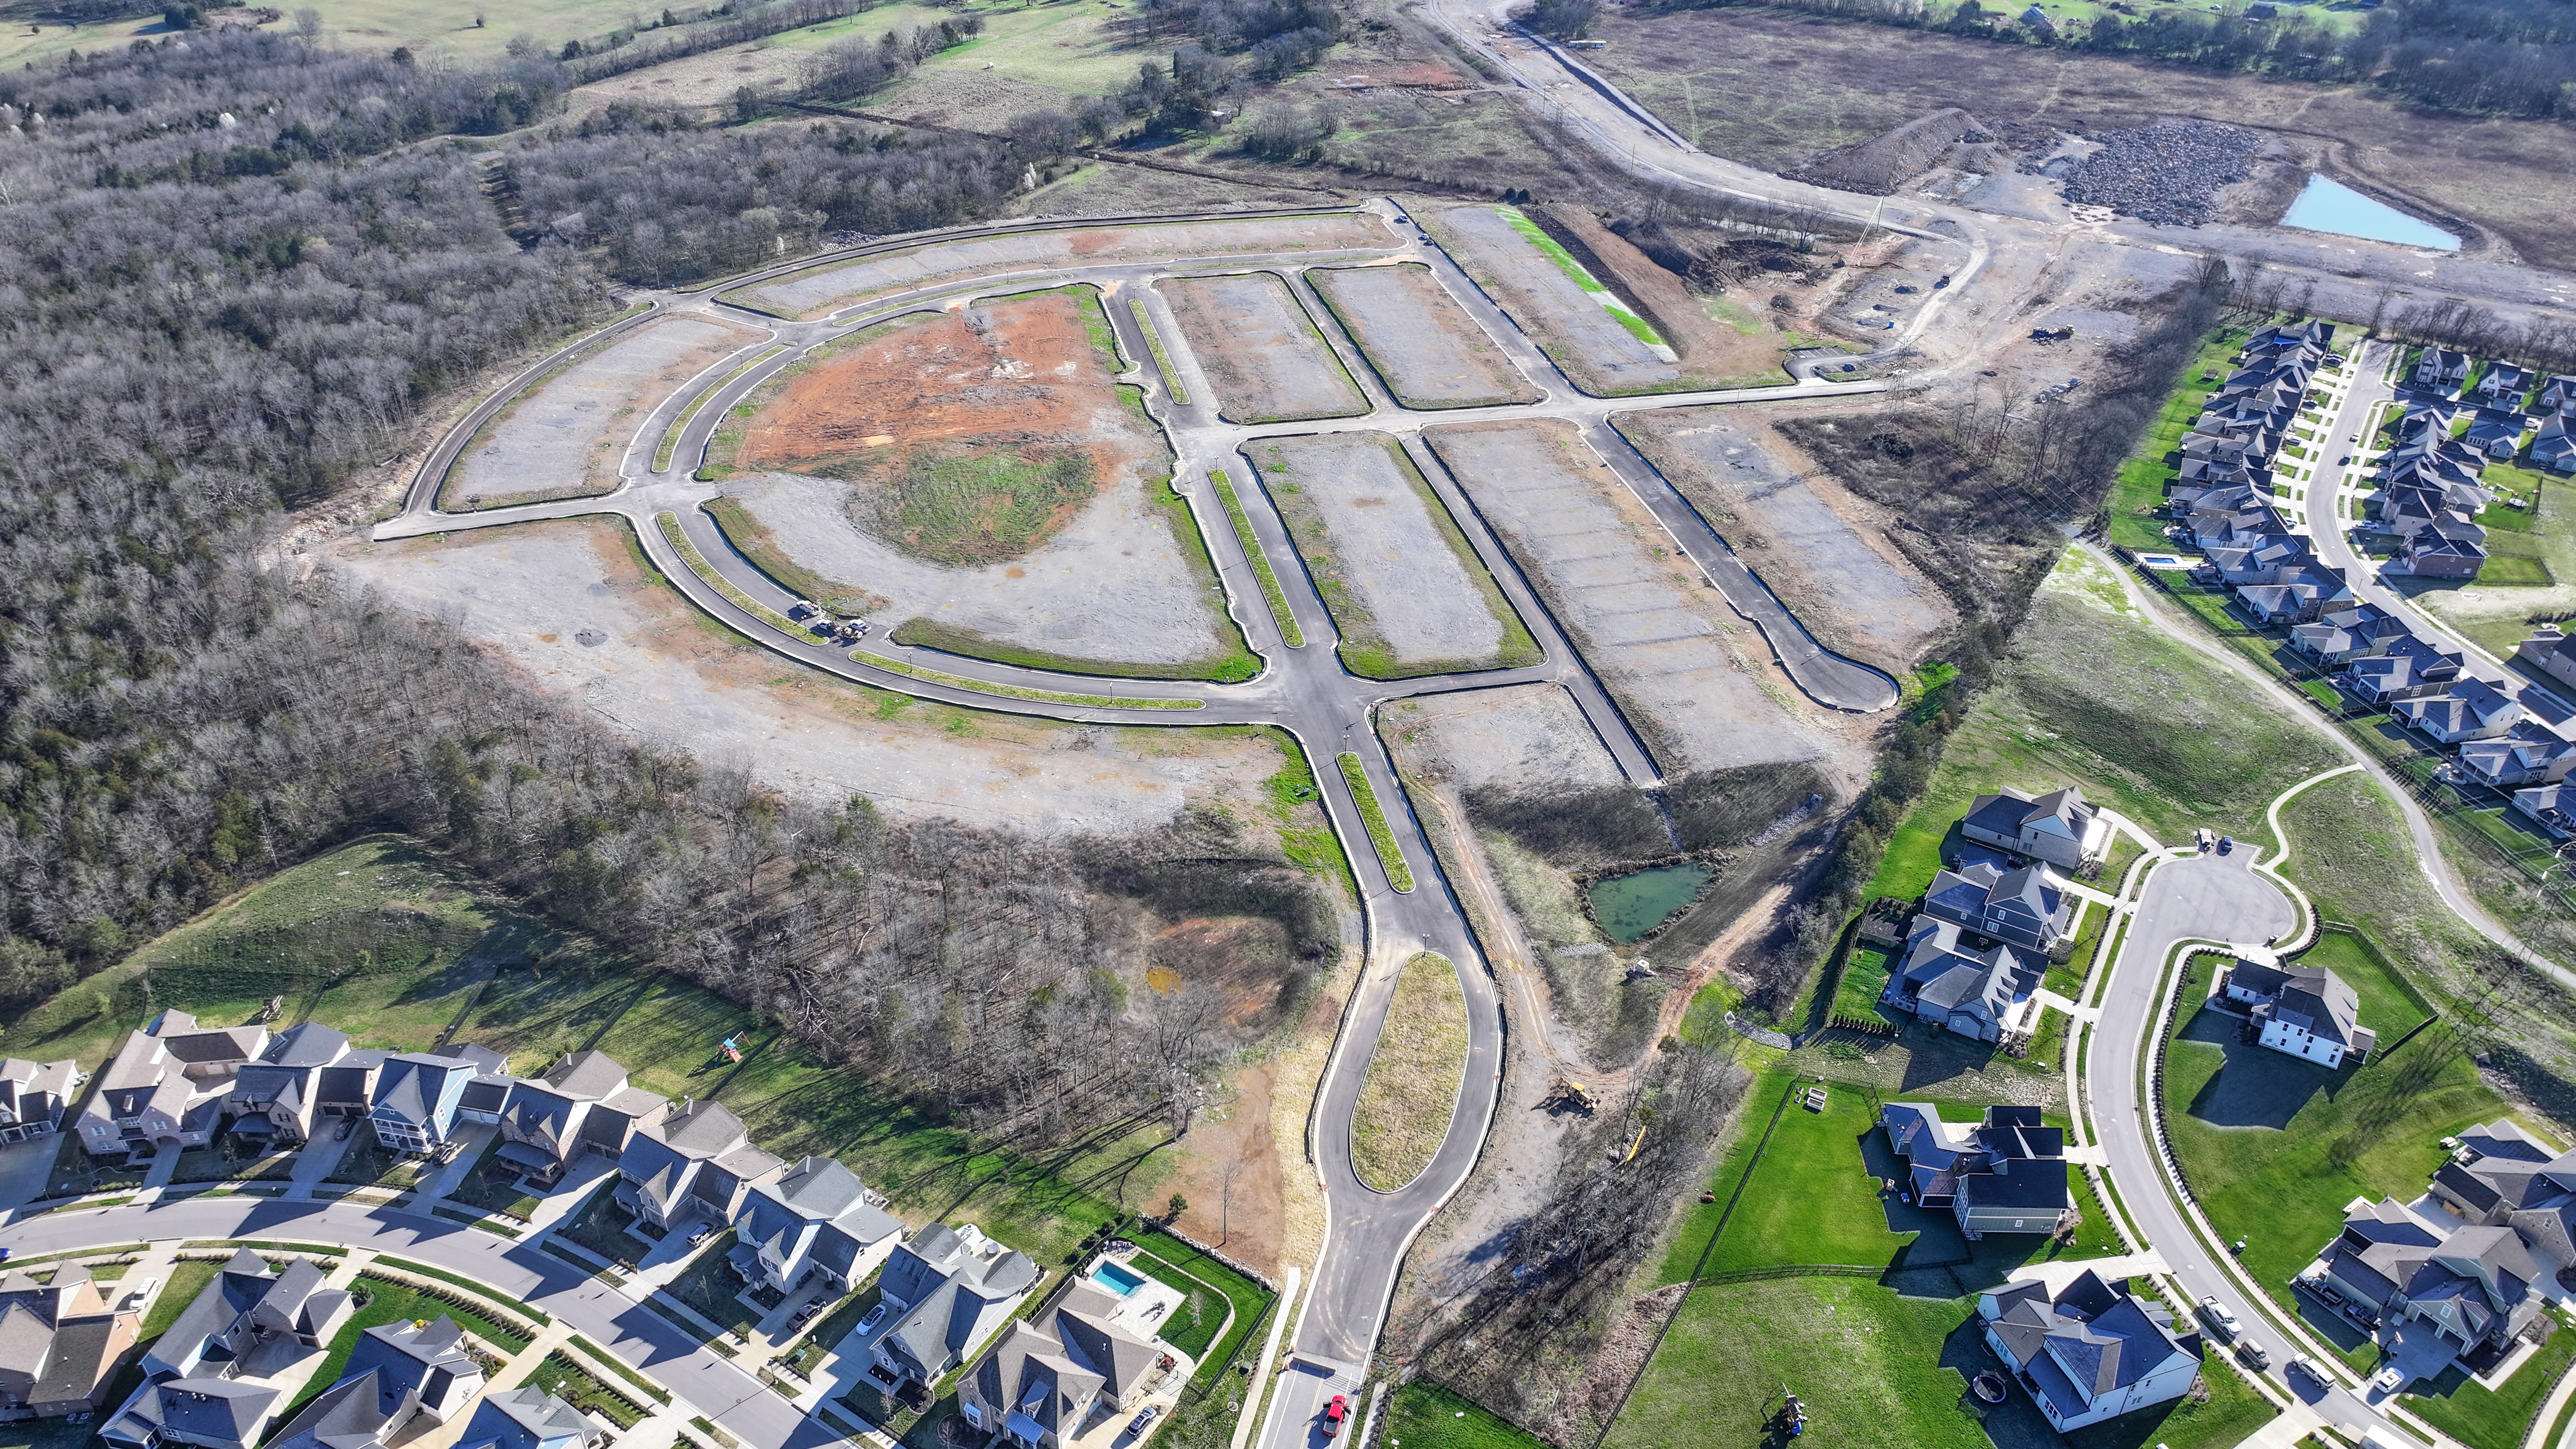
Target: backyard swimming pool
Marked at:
1116, 1279
2329, 206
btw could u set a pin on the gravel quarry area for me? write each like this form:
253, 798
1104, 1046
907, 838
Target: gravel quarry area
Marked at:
1112, 586
1602, 356
568, 603
2169, 173
1383, 553
1663, 641
1430, 353
1260, 350
567, 435
812, 293
1854, 593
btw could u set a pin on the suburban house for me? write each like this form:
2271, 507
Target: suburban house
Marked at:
2408, 667
2433, 1292
695, 1159
34, 1096
2548, 651
2441, 367
416, 1100
397, 1374
583, 1104
2528, 754
2306, 1011
280, 1094
2503, 384
2296, 596
816, 1217
2060, 827
2471, 709
2029, 907
211, 1379
167, 1085
2347, 634
60, 1344
950, 1289
530, 1418
1989, 994
2006, 1174
2091, 1350
2447, 550
348, 1086
2553, 445
2498, 435
2501, 1177
1043, 1382
2549, 809
2558, 393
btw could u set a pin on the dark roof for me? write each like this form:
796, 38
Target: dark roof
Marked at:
310, 1045
485, 1061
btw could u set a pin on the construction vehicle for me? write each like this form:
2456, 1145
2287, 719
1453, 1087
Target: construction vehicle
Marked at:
1567, 1094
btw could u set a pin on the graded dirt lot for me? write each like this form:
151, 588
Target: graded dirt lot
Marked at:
1406, 592
1681, 665
1578, 333
820, 290
569, 603
1521, 736
1773, 89
1719, 346
978, 472
1849, 587
566, 436
1260, 349
1425, 347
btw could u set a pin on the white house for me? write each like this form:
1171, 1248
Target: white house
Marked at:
2089, 1351
2306, 1011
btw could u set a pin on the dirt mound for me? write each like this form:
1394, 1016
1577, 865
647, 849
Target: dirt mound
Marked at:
2169, 173
1882, 163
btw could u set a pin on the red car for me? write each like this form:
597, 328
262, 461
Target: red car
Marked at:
1334, 1413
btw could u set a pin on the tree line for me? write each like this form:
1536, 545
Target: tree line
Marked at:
192, 344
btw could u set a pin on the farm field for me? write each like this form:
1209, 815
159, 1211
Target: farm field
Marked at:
565, 437
1606, 353
1000, 495
1408, 594
1658, 635
1257, 345
1425, 347
823, 288
1861, 600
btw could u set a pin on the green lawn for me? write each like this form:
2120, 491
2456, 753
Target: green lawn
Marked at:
178, 1289
1431, 1417
2141, 483
709, 1285
2484, 1418
600, 1225
1814, 1199
2276, 1147
391, 1302
1865, 975
1195, 1326
582, 1389
369, 1162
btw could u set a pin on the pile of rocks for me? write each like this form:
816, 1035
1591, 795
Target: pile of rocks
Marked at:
2169, 173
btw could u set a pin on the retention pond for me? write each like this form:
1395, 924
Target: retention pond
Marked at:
2330, 206
1628, 906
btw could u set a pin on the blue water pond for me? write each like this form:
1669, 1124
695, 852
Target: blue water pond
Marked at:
2332, 207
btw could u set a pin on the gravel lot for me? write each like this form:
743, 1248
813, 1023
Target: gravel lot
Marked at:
813, 293
1587, 341
1854, 593
1260, 349
1386, 566
566, 438
2169, 173
663, 672
1662, 640
1113, 586
1524, 736
1431, 353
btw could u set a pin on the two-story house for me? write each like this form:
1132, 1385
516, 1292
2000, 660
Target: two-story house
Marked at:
167, 1085
2470, 709
2029, 907
280, 1094
1987, 993
2530, 753
222, 1369
2305, 1011
2006, 1174
1045, 1381
815, 1217
397, 1375
417, 1095
2060, 827
2406, 669
2089, 1351
60, 1344
583, 1105
2424, 1282
696, 1160
2441, 367
950, 1289
35, 1095
530, 1418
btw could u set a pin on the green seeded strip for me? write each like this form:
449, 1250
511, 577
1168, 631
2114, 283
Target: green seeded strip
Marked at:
671, 439
698, 565
1162, 359
1270, 590
1013, 691
1374, 817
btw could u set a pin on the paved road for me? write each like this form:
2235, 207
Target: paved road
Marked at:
747, 1409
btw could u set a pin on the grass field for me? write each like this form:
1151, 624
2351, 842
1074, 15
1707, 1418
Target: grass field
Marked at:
1413, 1079
179, 1288
1423, 1415
2275, 1147
582, 1389
2485, 1418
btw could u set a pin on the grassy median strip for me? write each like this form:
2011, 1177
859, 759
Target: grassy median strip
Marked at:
1013, 691
698, 565
671, 439
1575, 272
1270, 590
1162, 359
1413, 1076
1374, 816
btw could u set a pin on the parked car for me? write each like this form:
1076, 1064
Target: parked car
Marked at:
1334, 1413
1144, 1420
875, 1316
2254, 1354
2220, 1317
2226, 843
2302, 1366
2389, 1380
699, 1238
805, 1315
144, 1288
347, 1126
